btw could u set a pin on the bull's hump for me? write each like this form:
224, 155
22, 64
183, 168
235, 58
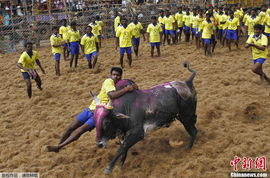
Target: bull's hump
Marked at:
182, 89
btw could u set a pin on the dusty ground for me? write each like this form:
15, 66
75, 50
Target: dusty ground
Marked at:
233, 109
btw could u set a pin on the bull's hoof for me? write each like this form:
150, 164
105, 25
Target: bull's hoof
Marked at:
107, 170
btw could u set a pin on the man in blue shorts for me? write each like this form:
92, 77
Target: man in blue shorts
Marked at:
85, 120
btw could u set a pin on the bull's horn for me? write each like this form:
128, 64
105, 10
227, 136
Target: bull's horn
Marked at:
121, 116
95, 98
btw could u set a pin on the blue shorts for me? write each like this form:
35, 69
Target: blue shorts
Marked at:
207, 41
194, 30
157, 44
57, 56
163, 30
126, 49
259, 60
25, 75
99, 36
221, 32
231, 34
186, 28
136, 41
74, 47
267, 34
169, 32
199, 34
87, 116
65, 45
89, 56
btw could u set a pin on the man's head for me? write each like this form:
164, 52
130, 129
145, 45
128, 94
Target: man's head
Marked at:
98, 18
124, 21
258, 29
180, 9
253, 12
28, 46
64, 22
73, 25
168, 13
208, 15
220, 10
93, 19
135, 19
263, 8
187, 11
154, 19
55, 30
161, 13
116, 74
88, 29
231, 14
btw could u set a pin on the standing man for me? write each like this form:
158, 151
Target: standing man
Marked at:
27, 65
154, 35
169, 22
56, 43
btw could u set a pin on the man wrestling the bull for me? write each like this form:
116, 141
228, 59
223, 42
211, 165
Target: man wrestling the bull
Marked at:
85, 120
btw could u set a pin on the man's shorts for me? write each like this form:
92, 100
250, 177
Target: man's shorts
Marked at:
126, 49
267, 34
65, 45
74, 47
221, 32
180, 28
187, 28
136, 41
169, 32
99, 36
231, 34
199, 34
194, 30
86, 117
207, 41
157, 44
57, 56
259, 60
25, 75
89, 56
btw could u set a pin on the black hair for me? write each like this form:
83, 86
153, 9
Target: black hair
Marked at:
54, 28
154, 17
123, 18
208, 14
258, 26
73, 23
231, 12
161, 10
98, 17
117, 69
28, 43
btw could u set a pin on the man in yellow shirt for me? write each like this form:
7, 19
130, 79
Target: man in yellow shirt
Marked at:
85, 120
56, 43
207, 28
169, 22
90, 47
117, 19
251, 21
27, 65
187, 25
194, 23
267, 26
138, 31
101, 24
258, 43
232, 26
161, 22
154, 35
179, 21
124, 36
74, 38
63, 30
200, 19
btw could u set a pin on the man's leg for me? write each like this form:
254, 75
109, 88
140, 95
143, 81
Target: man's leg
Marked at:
71, 60
28, 87
38, 81
73, 126
76, 59
121, 60
257, 69
94, 60
152, 50
128, 51
158, 50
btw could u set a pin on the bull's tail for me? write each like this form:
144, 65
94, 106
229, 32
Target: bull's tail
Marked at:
189, 81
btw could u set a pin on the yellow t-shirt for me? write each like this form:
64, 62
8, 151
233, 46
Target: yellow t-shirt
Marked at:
89, 43
187, 20
232, 24
259, 41
100, 23
262, 17
107, 86
168, 21
63, 31
267, 22
250, 22
245, 18
207, 29
27, 61
56, 40
194, 21
116, 22
96, 28
154, 33
200, 20
73, 36
161, 20
179, 19
137, 29
125, 36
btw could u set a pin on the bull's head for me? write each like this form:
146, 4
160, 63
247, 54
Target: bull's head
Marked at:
106, 122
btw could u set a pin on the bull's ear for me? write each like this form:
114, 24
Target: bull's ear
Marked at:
121, 116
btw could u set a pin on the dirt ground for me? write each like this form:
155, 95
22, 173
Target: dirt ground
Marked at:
233, 108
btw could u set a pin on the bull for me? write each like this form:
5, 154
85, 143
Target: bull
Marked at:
138, 112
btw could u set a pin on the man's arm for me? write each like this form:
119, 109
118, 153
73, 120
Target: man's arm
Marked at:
116, 42
39, 64
118, 93
258, 47
21, 67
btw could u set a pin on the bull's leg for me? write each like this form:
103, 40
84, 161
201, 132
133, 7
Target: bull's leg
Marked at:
123, 159
129, 142
189, 124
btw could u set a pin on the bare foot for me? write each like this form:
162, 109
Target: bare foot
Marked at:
53, 149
